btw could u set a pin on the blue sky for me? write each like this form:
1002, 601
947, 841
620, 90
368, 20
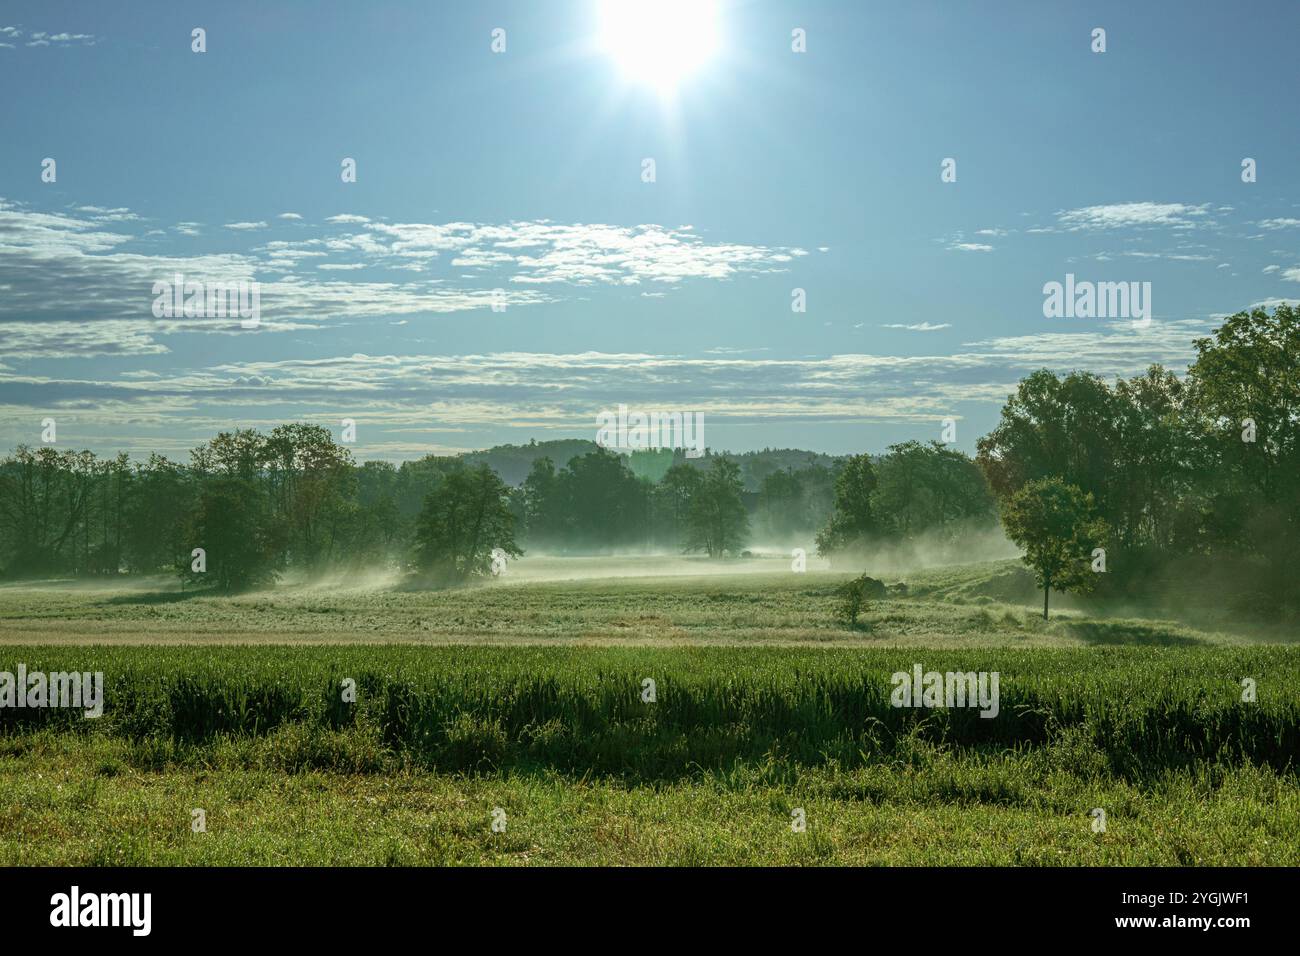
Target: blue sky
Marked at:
522, 171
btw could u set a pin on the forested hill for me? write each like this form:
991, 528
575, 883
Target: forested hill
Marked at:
512, 462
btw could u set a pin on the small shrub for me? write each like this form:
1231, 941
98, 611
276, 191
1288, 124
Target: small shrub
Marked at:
855, 596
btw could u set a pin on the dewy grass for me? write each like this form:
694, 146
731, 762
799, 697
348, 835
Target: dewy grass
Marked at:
1147, 720
102, 800
1144, 711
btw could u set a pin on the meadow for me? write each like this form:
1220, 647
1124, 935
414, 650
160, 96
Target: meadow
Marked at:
527, 697
595, 601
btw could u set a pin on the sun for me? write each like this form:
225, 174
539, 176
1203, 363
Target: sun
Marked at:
658, 43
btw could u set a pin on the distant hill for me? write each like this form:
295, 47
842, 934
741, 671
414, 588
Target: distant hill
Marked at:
513, 462
757, 465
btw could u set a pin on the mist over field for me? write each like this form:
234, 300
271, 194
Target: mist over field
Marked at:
930, 550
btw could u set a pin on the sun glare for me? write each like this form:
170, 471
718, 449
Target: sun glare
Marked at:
658, 43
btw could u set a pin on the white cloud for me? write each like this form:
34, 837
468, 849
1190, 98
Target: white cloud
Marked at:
42, 38
1129, 214
46, 340
60, 268
1115, 349
1171, 256
72, 267
545, 252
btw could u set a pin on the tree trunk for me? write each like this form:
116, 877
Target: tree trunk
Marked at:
1047, 589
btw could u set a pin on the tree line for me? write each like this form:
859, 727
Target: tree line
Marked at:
259, 505
1160, 475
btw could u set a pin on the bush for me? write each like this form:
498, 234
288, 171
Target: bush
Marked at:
855, 596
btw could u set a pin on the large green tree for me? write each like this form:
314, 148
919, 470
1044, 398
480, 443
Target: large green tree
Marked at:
1055, 427
157, 511
463, 521
600, 502
1245, 387
543, 520
929, 488
1136, 448
854, 518
239, 538
1058, 528
673, 496
310, 480
718, 523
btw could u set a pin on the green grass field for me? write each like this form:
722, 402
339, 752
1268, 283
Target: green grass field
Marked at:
698, 603
524, 696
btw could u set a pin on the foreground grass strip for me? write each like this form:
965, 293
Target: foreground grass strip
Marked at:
85, 805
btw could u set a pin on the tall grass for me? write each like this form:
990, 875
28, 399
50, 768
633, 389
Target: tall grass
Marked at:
1136, 713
